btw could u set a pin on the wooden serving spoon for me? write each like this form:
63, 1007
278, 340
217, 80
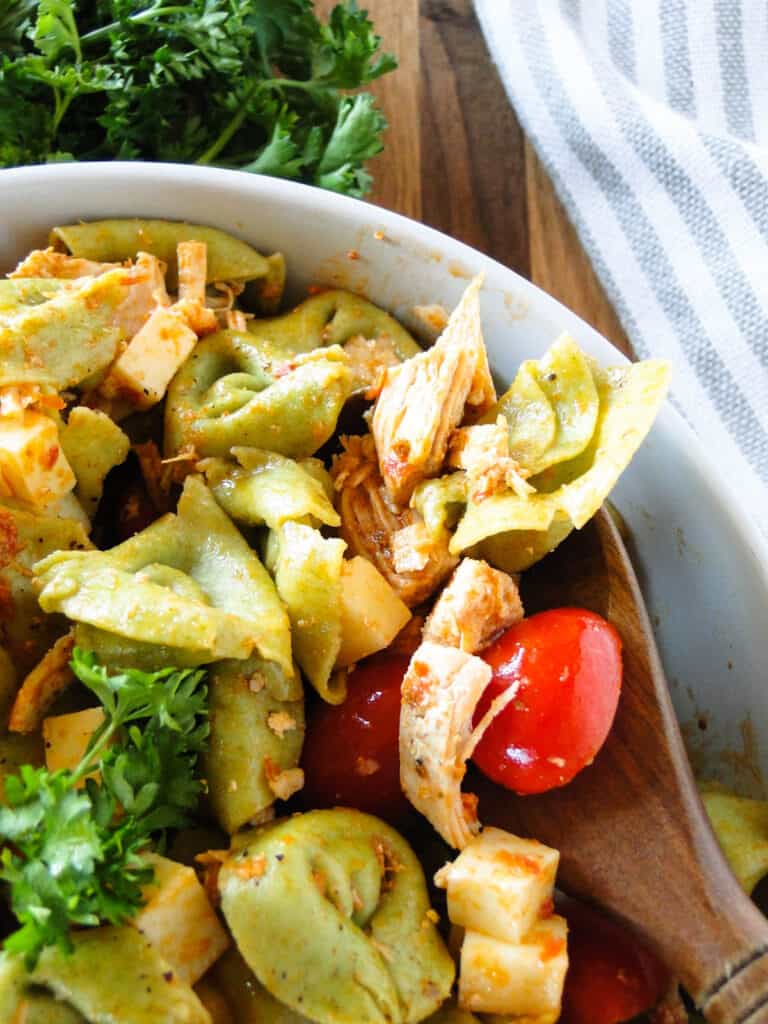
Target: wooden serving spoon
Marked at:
633, 833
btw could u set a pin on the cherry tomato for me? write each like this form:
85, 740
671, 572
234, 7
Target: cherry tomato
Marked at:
611, 977
350, 754
566, 667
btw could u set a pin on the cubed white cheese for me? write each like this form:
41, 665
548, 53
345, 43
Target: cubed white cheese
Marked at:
179, 921
33, 466
145, 369
516, 979
66, 737
499, 883
372, 614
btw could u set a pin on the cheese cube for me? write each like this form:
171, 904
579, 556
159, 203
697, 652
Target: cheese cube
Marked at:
499, 883
33, 466
67, 736
516, 979
372, 614
178, 920
145, 369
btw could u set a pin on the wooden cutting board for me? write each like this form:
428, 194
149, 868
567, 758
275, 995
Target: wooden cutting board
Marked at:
457, 159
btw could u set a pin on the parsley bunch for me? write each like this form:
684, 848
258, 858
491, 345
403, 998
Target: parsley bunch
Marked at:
251, 84
72, 854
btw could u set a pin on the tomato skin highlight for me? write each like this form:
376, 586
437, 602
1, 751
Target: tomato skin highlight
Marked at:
566, 666
351, 756
612, 977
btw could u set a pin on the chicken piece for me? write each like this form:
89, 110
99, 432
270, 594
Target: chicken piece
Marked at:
423, 400
158, 475
477, 604
49, 263
146, 294
440, 692
483, 451
192, 259
235, 320
369, 359
200, 318
49, 678
374, 528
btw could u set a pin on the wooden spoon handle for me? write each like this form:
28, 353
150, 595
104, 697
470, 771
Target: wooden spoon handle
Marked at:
741, 997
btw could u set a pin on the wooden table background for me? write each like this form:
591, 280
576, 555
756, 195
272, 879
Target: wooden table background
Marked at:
456, 158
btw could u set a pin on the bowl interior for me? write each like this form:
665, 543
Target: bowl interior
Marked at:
703, 565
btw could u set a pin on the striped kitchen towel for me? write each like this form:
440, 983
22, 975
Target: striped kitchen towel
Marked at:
651, 117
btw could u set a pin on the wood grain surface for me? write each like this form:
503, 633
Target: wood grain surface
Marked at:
457, 158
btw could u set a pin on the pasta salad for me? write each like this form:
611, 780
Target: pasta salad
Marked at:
259, 610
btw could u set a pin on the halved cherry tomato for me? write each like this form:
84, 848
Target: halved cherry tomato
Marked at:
611, 977
350, 754
565, 665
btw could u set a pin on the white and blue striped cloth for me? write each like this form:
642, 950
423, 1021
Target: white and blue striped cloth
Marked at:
651, 117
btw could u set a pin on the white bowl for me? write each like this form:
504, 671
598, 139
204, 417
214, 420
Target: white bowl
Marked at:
702, 562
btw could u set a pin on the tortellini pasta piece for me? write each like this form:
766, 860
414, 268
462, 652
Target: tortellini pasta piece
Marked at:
330, 911
100, 980
568, 493
308, 579
256, 716
330, 318
31, 292
223, 396
93, 445
25, 538
551, 407
250, 1001
108, 241
741, 827
188, 581
270, 489
66, 340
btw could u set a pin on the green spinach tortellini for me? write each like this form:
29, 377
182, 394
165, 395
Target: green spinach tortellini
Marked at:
188, 582
27, 537
307, 569
330, 911
256, 715
331, 318
65, 340
512, 531
110, 241
224, 395
112, 974
265, 488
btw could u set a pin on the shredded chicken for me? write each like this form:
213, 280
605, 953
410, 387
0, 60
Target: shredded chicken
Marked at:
441, 690
235, 320
483, 451
49, 678
424, 399
374, 527
369, 359
476, 605
158, 476
147, 292
49, 263
199, 317
192, 258
283, 783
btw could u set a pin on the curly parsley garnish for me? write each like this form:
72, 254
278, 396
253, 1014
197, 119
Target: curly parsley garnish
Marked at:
72, 852
251, 84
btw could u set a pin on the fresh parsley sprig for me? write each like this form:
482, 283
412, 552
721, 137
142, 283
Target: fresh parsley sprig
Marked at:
258, 85
72, 853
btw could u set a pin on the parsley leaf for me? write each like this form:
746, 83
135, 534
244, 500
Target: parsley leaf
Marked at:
254, 84
74, 842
